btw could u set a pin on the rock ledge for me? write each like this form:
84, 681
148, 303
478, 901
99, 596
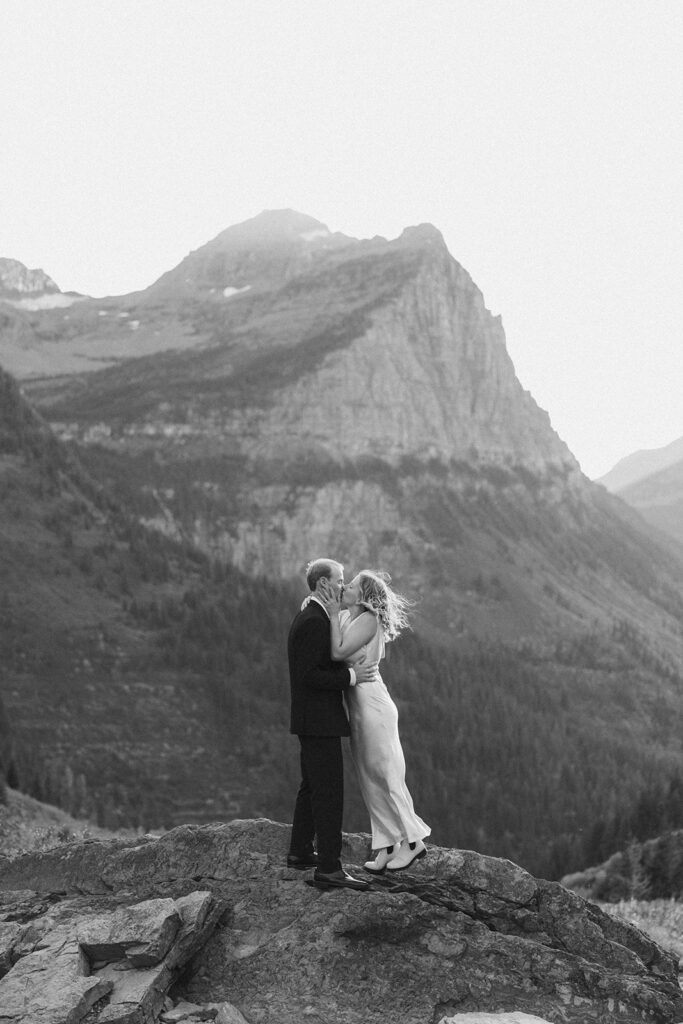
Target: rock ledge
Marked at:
212, 916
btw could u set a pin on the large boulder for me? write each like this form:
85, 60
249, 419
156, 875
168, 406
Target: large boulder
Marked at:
458, 934
67, 955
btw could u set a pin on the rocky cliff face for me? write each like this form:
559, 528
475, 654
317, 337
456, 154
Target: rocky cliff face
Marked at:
117, 924
424, 374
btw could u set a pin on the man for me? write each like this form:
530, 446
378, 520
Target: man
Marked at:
319, 719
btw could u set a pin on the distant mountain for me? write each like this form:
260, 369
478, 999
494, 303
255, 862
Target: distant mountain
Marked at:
258, 254
17, 281
296, 392
25, 348
38, 338
641, 464
652, 483
659, 499
31, 289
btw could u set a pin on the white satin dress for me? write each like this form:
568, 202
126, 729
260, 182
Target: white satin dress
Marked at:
377, 753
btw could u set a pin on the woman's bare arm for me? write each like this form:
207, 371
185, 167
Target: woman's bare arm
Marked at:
359, 632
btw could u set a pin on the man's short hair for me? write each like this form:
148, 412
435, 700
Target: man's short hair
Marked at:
320, 568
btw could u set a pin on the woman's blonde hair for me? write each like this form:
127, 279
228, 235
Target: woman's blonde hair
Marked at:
390, 608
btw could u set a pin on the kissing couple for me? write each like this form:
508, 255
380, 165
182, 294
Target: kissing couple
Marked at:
335, 645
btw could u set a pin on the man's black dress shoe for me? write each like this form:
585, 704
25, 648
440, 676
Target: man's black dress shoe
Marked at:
307, 860
338, 880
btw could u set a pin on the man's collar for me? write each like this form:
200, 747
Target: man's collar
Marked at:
318, 601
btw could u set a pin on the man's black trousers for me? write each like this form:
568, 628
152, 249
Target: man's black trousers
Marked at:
319, 804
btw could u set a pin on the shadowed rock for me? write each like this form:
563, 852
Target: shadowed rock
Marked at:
460, 933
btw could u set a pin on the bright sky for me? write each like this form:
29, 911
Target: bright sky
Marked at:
544, 138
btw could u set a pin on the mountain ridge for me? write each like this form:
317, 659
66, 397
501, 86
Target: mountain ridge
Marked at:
461, 934
638, 465
651, 482
658, 498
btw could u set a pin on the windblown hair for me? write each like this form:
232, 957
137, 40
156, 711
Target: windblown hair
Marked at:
318, 569
389, 607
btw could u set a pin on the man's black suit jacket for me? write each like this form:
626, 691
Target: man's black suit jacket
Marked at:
317, 682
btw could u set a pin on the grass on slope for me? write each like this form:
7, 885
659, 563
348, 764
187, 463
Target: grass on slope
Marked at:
29, 826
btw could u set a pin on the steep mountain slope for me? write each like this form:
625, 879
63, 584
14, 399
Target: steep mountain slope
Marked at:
357, 398
99, 722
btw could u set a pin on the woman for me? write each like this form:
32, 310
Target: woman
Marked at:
368, 615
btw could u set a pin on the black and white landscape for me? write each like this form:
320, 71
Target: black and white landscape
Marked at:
171, 458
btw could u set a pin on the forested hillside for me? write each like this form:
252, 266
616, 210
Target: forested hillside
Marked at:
147, 685
91, 730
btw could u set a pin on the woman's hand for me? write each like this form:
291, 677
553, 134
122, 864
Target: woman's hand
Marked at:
331, 601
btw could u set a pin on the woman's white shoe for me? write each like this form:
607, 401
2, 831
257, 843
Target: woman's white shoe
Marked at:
406, 855
378, 865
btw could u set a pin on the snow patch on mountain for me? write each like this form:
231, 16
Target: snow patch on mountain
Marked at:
50, 300
230, 291
309, 236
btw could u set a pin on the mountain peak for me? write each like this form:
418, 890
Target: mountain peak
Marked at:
272, 226
421, 235
16, 280
258, 252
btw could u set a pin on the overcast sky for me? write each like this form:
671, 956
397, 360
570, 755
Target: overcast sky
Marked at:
544, 138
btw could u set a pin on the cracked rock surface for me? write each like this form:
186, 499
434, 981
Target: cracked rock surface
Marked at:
211, 915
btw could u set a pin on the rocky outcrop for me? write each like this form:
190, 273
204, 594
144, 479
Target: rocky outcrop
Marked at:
62, 956
462, 933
